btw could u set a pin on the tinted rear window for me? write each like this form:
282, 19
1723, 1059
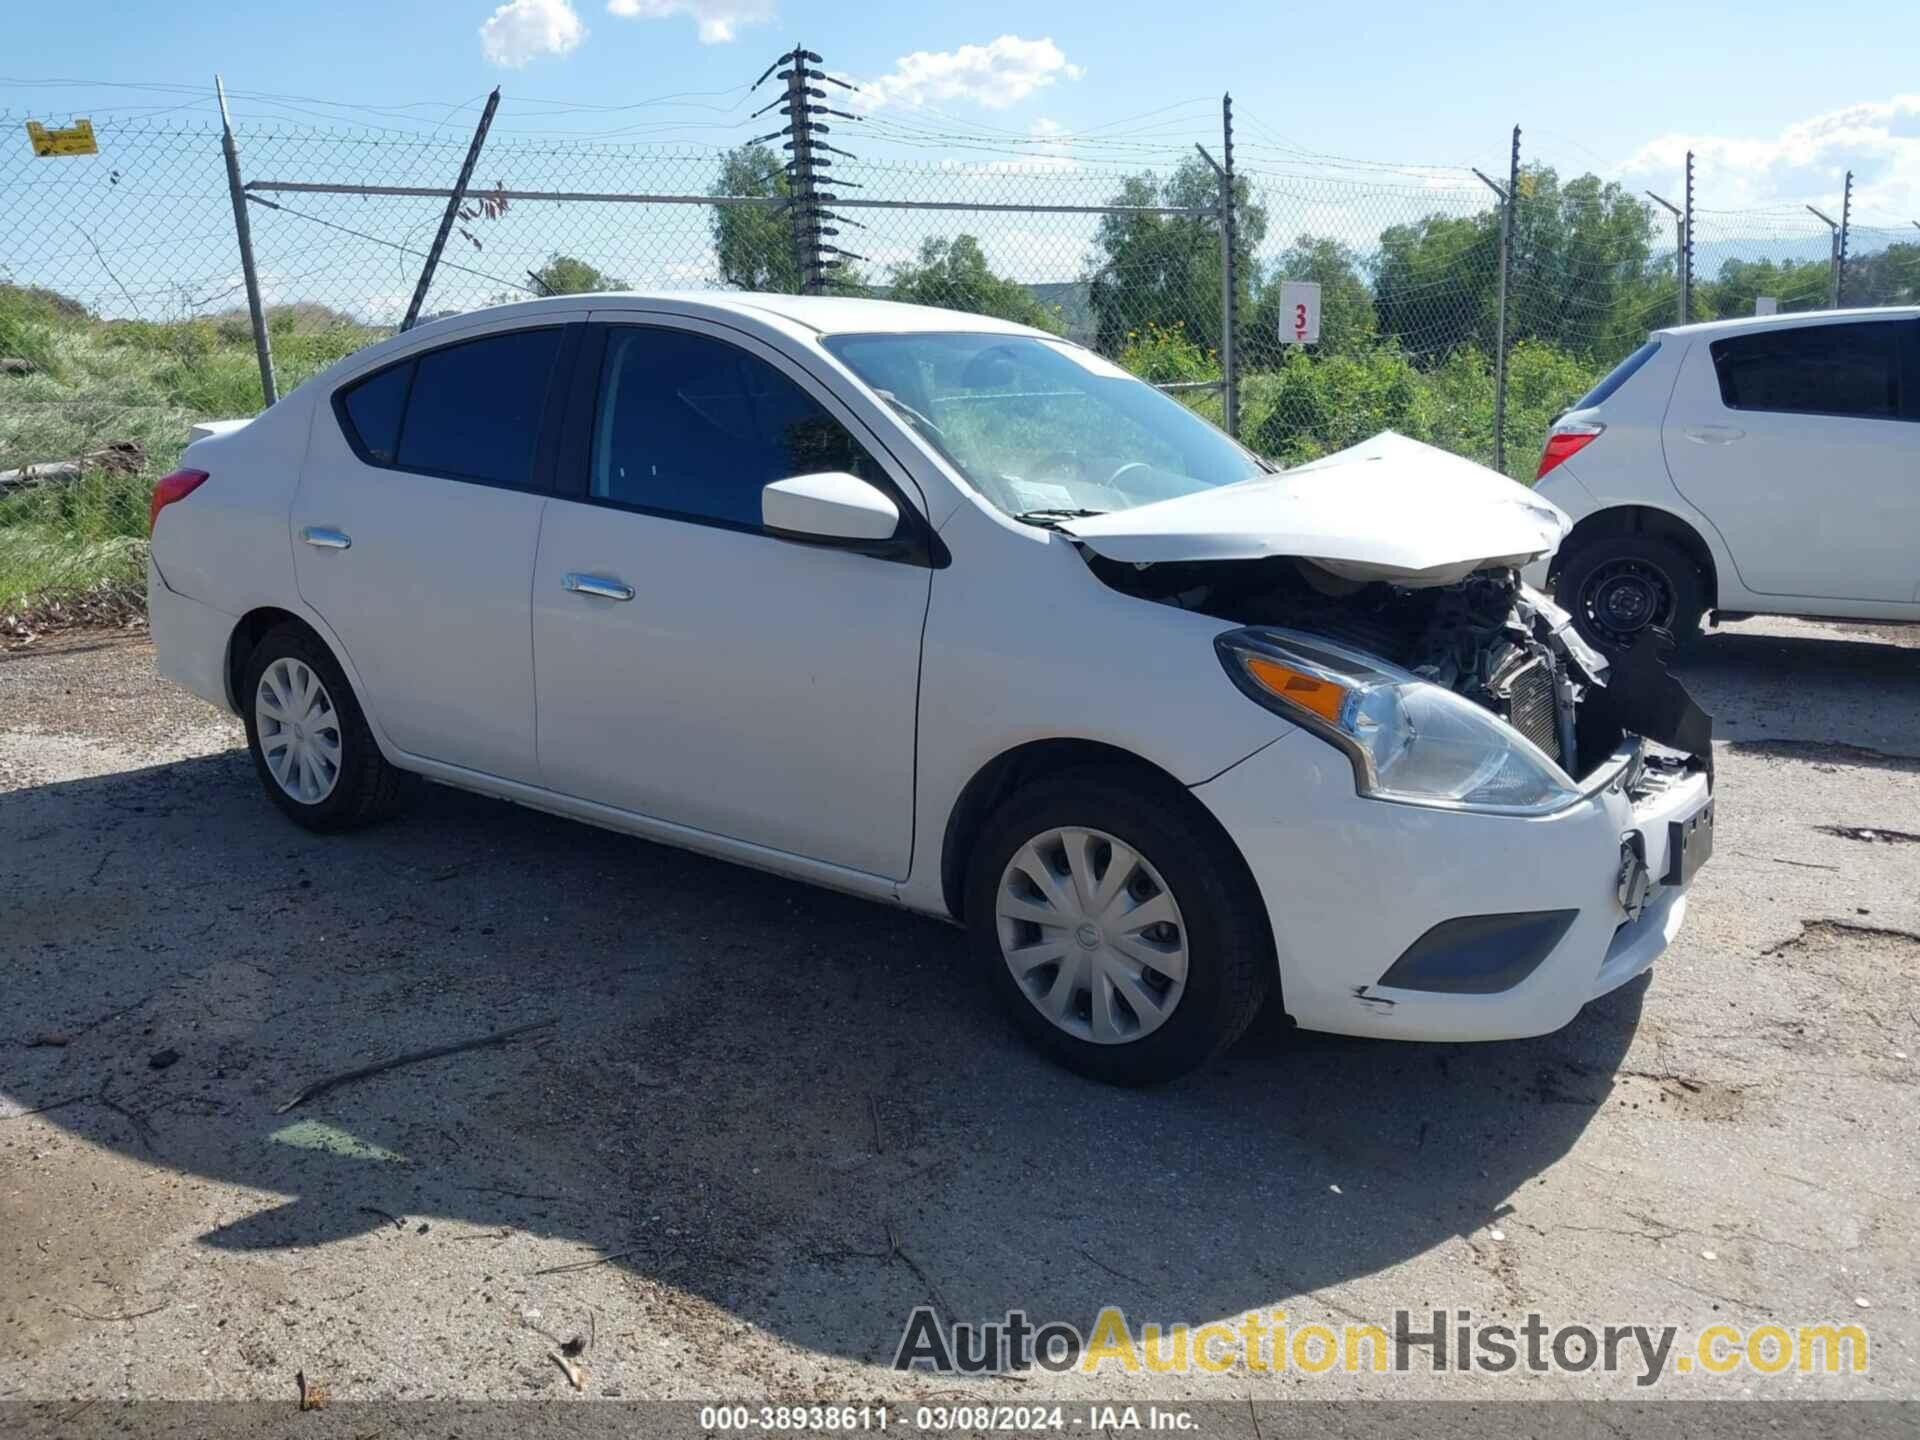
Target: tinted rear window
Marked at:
1617, 376
1851, 370
374, 406
475, 408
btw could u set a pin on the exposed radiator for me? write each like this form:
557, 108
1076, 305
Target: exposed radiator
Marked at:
1528, 700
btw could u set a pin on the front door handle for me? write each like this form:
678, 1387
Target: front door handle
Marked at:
327, 539
596, 585
1713, 434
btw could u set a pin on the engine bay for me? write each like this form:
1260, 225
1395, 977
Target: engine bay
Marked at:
1487, 637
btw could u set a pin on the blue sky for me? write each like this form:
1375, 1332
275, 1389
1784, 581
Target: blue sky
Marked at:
1621, 90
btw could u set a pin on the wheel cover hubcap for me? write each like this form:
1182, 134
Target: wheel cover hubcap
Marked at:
299, 730
1624, 597
1092, 935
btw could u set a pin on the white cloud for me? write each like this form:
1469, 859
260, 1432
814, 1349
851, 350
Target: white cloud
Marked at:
1806, 162
719, 20
994, 76
522, 29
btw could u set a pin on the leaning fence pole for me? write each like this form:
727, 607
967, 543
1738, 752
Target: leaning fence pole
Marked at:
1679, 250
1500, 324
1229, 275
454, 201
243, 231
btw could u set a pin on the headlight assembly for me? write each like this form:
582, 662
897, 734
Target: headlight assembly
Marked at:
1410, 741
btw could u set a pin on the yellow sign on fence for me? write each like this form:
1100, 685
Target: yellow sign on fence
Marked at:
74, 139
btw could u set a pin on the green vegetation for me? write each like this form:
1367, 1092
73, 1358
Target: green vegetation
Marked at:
119, 396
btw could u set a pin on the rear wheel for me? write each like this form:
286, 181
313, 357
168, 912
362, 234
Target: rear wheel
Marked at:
1618, 587
311, 745
1118, 925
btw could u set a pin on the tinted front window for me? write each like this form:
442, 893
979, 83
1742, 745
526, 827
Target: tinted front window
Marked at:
475, 408
374, 406
1814, 369
696, 427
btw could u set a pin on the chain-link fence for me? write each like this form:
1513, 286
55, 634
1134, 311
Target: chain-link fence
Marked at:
1449, 311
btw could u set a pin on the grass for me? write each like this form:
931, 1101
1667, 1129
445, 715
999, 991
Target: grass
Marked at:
93, 384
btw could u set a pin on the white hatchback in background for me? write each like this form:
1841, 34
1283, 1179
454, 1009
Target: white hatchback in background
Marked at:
1760, 466
954, 614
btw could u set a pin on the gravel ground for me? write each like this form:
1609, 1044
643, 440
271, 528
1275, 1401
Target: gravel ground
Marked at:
780, 1119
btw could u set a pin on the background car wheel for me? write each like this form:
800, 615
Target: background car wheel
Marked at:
1620, 586
310, 742
1118, 924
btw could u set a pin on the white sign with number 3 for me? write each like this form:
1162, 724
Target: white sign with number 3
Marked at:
1299, 312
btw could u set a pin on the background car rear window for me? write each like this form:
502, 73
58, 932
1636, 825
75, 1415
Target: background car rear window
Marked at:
375, 405
475, 408
696, 427
1849, 370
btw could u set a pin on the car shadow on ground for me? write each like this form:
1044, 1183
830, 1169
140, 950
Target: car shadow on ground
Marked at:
798, 1107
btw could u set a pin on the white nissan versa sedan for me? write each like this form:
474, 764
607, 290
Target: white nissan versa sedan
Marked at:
948, 612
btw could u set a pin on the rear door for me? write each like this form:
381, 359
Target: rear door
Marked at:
1802, 445
414, 529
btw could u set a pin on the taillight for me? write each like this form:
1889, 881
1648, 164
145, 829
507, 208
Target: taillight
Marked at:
1565, 442
169, 488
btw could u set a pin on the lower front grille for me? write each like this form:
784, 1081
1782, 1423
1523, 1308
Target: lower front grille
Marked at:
1528, 696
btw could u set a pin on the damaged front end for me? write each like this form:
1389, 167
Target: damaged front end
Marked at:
1487, 638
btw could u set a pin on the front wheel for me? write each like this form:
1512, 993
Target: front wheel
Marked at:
1618, 587
1118, 925
311, 746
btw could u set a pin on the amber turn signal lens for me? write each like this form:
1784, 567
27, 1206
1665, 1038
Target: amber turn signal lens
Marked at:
1309, 692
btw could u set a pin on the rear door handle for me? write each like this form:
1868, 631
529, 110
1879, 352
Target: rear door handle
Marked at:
327, 539
596, 585
1713, 434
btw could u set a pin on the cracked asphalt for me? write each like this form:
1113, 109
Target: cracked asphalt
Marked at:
765, 1122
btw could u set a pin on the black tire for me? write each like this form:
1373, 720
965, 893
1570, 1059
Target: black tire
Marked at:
366, 788
1617, 586
1230, 956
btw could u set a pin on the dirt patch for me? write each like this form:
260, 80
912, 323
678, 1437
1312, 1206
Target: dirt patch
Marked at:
1872, 835
1828, 754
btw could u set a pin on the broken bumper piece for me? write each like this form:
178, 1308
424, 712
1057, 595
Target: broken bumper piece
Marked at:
1354, 886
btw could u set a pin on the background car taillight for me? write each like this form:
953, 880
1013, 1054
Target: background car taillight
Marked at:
169, 488
1565, 441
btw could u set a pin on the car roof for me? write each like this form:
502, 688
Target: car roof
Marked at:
1709, 329
820, 314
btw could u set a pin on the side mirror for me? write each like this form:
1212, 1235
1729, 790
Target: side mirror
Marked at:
830, 507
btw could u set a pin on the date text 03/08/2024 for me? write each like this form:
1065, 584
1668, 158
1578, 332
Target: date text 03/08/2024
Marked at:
943, 1419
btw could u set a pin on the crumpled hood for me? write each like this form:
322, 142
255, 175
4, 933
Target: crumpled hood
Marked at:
1388, 508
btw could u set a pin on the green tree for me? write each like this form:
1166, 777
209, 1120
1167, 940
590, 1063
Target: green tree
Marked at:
1796, 284
1346, 305
754, 243
1885, 277
1579, 274
954, 275
1164, 270
567, 275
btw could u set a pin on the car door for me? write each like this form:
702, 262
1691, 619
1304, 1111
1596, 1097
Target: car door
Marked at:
414, 530
694, 668
1802, 445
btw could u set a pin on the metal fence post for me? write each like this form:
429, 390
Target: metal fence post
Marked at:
1508, 197
1229, 275
1840, 255
800, 184
1679, 250
1686, 250
243, 231
453, 209
1833, 254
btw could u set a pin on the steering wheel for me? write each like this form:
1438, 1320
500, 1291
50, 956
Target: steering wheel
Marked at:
1113, 480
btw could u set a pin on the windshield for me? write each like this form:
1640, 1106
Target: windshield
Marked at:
1043, 429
